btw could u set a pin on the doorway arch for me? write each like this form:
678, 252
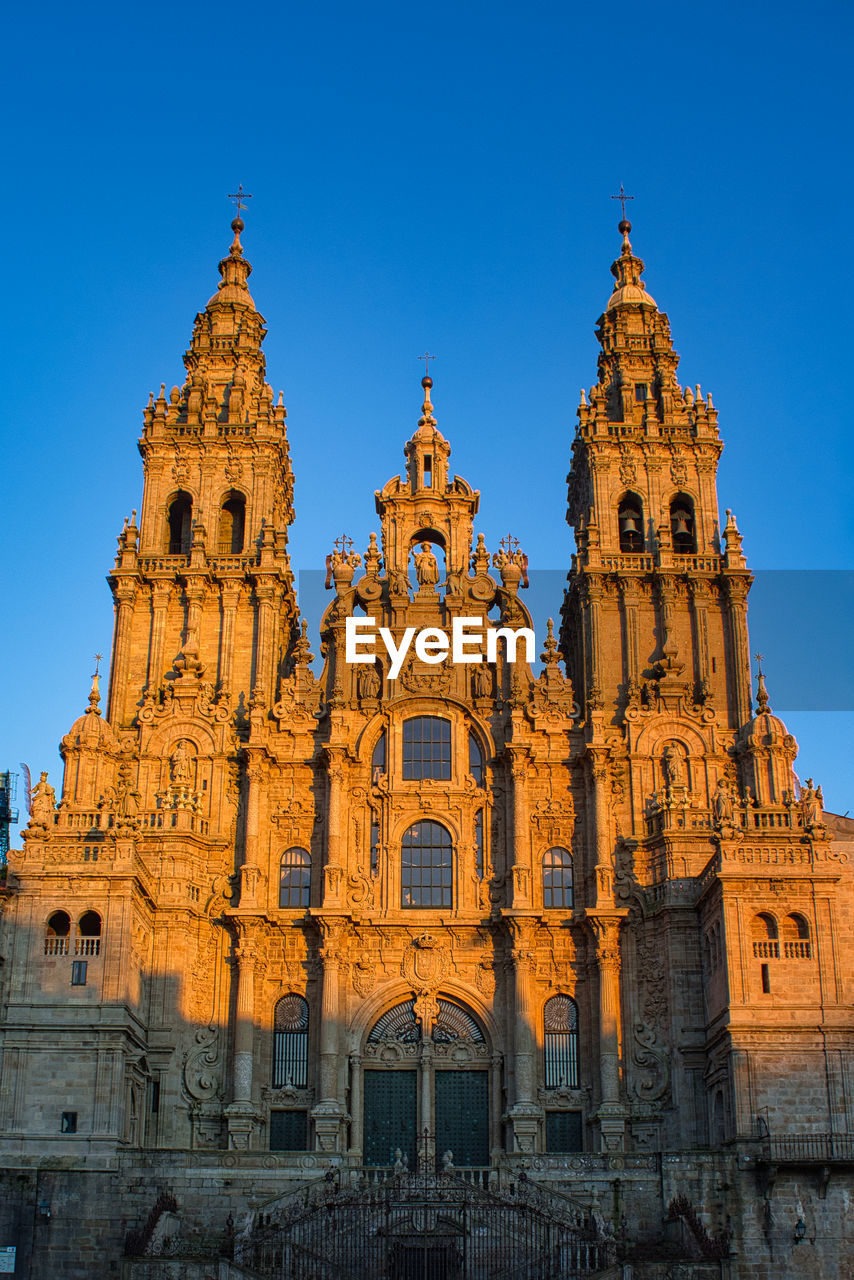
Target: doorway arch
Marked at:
428, 1082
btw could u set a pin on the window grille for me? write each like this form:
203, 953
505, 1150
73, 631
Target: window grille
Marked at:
426, 866
290, 1043
557, 878
560, 1026
295, 879
427, 748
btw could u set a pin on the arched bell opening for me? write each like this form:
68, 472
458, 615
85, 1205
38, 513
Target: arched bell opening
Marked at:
683, 528
428, 1087
630, 523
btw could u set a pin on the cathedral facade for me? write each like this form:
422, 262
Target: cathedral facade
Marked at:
418, 910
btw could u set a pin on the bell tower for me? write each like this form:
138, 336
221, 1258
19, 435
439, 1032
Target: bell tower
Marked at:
658, 592
204, 586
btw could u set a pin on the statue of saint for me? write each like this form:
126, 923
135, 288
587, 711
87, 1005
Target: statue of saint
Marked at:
180, 764
426, 566
369, 683
811, 804
722, 803
674, 766
42, 802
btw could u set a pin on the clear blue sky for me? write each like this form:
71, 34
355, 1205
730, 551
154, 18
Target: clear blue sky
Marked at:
427, 176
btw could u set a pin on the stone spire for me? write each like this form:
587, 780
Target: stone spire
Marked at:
627, 271
225, 364
428, 451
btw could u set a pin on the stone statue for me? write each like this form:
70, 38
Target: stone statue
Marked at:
674, 766
180, 764
369, 683
481, 681
426, 566
42, 803
811, 805
722, 803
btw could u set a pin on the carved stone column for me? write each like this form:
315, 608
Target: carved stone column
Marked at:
496, 1145
125, 594
333, 872
594, 592
599, 758
265, 595
428, 1071
356, 1104
700, 594
241, 1114
254, 779
521, 870
330, 1115
525, 1114
230, 598
160, 596
612, 1114
630, 590
736, 589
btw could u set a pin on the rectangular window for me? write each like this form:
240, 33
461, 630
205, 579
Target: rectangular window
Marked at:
68, 1123
428, 471
641, 392
288, 1130
427, 748
155, 1097
563, 1132
766, 980
78, 972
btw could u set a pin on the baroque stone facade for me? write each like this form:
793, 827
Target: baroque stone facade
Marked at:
581, 924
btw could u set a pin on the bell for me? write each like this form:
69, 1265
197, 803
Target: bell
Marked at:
629, 522
680, 524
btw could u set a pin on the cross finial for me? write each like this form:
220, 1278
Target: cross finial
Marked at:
760, 658
344, 545
98, 660
427, 357
239, 196
622, 197
509, 544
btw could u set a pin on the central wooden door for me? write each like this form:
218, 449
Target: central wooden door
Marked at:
391, 1116
462, 1117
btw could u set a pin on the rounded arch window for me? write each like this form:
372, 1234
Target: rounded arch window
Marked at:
89, 925
180, 521
427, 748
475, 760
426, 866
557, 878
232, 525
378, 765
682, 525
295, 878
57, 929
796, 937
630, 523
88, 934
290, 1042
560, 1035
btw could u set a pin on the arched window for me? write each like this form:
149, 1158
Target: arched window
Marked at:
89, 934
475, 760
682, 528
427, 748
290, 1043
56, 934
378, 759
232, 523
630, 523
560, 1033
426, 866
180, 525
557, 878
796, 937
295, 878
766, 945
